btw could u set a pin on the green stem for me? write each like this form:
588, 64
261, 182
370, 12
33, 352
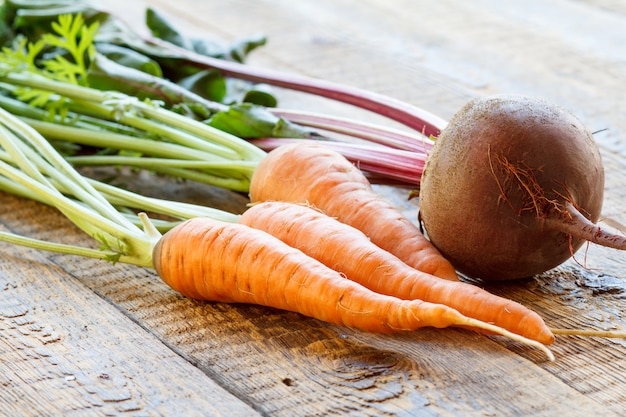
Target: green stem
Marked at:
70, 208
67, 249
148, 163
39, 82
113, 102
95, 216
120, 141
21, 109
171, 208
218, 171
51, 163
224, 175
30, 167
234, 175
123, 112
122, 198
245, 149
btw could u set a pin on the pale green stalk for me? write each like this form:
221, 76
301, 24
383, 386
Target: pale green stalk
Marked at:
244, 148
162, 133
36, 81
122, 198
50, 163
132, 112
148, 163
32, 168
106, 139
63, 248
96, 216
119, 105
96, 225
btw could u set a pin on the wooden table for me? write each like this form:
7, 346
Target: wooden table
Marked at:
81, 337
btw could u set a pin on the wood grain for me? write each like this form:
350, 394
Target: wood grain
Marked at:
84, 337
65, 351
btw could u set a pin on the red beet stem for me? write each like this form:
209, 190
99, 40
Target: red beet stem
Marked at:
412, 116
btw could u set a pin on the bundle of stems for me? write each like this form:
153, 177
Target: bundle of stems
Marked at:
54, 74
30, 167
147, 134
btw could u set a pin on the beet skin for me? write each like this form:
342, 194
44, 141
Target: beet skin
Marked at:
500, 177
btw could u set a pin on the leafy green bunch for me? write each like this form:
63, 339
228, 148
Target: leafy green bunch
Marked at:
46, 82
197, 78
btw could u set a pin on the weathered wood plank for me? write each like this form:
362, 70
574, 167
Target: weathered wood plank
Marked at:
287, 364
65, 351
282, 363
436, 54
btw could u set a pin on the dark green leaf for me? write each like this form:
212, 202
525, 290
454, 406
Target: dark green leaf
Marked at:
33, 19
260, 94
207, 83
209, 47
161, 28
104, 74
191, 109
130, 58
240, 49
6, 18
251, 121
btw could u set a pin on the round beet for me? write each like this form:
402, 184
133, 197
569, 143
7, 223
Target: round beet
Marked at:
512, 188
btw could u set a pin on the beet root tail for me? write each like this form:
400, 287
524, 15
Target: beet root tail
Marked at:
573, 223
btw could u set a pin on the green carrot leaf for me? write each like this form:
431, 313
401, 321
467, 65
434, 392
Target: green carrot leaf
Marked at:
34, 97
73, 36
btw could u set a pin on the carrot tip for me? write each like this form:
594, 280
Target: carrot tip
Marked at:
513, 336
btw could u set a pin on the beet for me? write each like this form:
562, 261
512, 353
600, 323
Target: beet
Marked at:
512, 188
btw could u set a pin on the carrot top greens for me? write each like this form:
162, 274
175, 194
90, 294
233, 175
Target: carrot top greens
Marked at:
92, 48
54, 119
61, 107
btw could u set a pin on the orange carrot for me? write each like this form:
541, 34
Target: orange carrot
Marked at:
314, 174
348, 251
229, 262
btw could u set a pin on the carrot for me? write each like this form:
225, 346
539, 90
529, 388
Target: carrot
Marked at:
314, 174
348, 251
212, 260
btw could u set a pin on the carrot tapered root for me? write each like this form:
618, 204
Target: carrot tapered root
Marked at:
610, 334
314, 174
347, 250
211, 260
